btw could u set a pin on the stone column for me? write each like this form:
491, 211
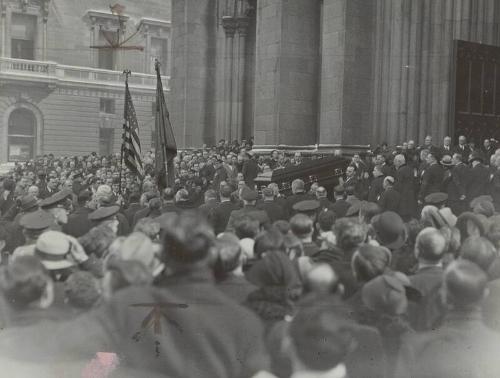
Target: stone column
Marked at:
192, 98
45, 16
346, 38
230, 26
239, 79
3, 28
287, 72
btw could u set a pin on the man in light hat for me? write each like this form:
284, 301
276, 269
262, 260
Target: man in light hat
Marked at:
249, 198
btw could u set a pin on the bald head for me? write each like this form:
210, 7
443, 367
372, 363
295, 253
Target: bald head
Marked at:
430, 245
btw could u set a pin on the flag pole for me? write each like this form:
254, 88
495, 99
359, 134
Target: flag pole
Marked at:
127, 73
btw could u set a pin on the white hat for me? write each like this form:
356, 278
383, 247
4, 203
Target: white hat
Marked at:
54, 250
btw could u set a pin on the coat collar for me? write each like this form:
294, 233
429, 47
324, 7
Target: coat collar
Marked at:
338, 371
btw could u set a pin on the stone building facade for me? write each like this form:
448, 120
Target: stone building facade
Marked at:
305, 72
58, 95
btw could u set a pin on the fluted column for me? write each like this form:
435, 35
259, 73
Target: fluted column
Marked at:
3, 26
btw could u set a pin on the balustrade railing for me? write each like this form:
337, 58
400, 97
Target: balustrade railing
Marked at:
53, 71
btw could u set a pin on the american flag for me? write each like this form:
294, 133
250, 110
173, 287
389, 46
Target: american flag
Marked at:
131, 143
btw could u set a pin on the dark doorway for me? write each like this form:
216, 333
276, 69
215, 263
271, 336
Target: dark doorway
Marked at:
476, 104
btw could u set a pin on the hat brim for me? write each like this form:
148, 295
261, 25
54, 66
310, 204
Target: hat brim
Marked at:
57, 265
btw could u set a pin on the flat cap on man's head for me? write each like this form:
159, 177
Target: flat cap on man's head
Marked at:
37, 220
55, 200
437, 198
104, 213
306, 206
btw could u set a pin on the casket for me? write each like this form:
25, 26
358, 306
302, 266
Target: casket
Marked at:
325, 171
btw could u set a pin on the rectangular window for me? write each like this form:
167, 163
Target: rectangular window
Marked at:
106, 56
159, 50
23, 32
107, 105
106, 141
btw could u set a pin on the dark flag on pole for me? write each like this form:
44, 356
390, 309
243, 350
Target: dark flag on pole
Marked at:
131, 147
166, 148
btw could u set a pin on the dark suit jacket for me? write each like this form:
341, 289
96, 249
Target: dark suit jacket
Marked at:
78, 222
250, 171
133, 208
405, 185
375, 189
6, 204
456, 185
221, 214
273, 210
432, 180
389, 200
479, 177
465, 152
340, 208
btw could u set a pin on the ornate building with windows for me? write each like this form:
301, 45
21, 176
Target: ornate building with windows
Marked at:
57, 94
348, 72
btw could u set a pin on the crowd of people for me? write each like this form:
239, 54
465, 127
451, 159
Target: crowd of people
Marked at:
394, 272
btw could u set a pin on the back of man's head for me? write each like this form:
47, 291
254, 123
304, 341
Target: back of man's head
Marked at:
135, 197
210, 195
320, 340
227, 255
246, 227
182, 195
23, 281
465, 284
430, 245
187, 239
326, 220
478, 250
83, 197
225, 192
168, 194
322, 280
298, 186
301, 225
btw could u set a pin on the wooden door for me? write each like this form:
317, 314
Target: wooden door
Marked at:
475, 103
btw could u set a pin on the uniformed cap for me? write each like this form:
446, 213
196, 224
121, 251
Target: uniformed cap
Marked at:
55, 200
248, 194
104, 213
37, 220
436, 198
306, 206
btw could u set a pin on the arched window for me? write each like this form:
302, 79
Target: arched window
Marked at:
21, 135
